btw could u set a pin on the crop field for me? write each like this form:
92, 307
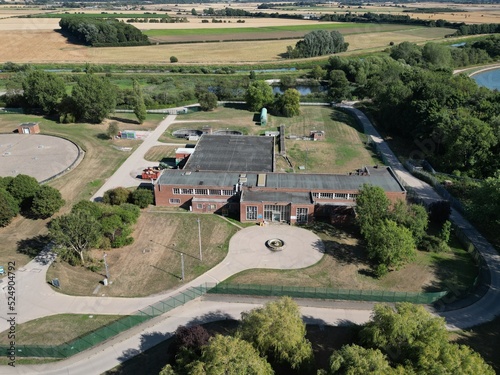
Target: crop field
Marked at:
45, 46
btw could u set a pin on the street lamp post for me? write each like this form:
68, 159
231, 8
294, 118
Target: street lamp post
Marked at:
199, 238
106, 266
182, 266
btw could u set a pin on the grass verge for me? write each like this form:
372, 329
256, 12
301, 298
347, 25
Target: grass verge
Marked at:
57, 329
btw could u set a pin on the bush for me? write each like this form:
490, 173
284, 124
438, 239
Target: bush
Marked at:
433, 244
116, 196
173, 59
142, 197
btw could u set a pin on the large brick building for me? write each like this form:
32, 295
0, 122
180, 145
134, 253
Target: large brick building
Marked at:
234, 175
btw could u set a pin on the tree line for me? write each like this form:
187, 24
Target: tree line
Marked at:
405, 339
102, 32
451, 121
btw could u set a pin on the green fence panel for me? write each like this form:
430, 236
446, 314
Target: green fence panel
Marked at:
325, 293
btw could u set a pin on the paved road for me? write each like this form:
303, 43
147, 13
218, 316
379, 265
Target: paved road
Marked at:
487, 307
124, 175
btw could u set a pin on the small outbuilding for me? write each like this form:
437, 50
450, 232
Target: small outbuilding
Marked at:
29, 128
263, 117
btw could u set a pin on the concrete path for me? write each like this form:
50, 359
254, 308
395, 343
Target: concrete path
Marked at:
35, 298
488, 306
124, 175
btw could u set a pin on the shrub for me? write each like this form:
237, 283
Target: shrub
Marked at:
433, 244
173, 59
116, 196
142, 197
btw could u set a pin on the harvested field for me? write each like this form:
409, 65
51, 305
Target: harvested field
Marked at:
35, 41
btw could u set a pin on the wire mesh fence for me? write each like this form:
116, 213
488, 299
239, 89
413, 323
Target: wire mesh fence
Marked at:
325, 293
107, 332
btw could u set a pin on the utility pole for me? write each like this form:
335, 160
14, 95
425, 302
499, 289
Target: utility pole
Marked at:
199, 238
106, 266
182, 266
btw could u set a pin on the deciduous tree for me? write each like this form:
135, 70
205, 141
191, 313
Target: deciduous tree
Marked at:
230, 356
46, 202
93, 98
259, 94
78, 232
116, 196
355, 360
43, 90
207, 100
139, 106
277, 329
23, 189
9, 208
372, 206
390, 245
288, 104
142, 197
408, 334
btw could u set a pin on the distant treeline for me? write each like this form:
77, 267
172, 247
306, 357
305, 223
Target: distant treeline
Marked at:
485, 28
102, 32
433, 10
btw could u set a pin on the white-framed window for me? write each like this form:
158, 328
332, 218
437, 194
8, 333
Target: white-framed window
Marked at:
176, 191
251, 212
227, 192
199, 206
341, 196
212, 207
214, 192
302, 214
201, 191
187, 191
174, 201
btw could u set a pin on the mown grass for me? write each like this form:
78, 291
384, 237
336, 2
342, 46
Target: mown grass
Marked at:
57, 329
346, 266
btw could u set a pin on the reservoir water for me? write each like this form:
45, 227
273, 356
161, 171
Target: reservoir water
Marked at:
489, 79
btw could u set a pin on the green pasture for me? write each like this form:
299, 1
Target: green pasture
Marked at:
365, 28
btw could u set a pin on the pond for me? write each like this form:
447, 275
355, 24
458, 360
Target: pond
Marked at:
489, 79
302, 89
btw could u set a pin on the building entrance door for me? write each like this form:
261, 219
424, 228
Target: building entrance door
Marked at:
276, 216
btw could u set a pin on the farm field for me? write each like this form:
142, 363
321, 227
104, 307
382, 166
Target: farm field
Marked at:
35, 40
152, 263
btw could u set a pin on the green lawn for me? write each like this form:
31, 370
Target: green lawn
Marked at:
57, 329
